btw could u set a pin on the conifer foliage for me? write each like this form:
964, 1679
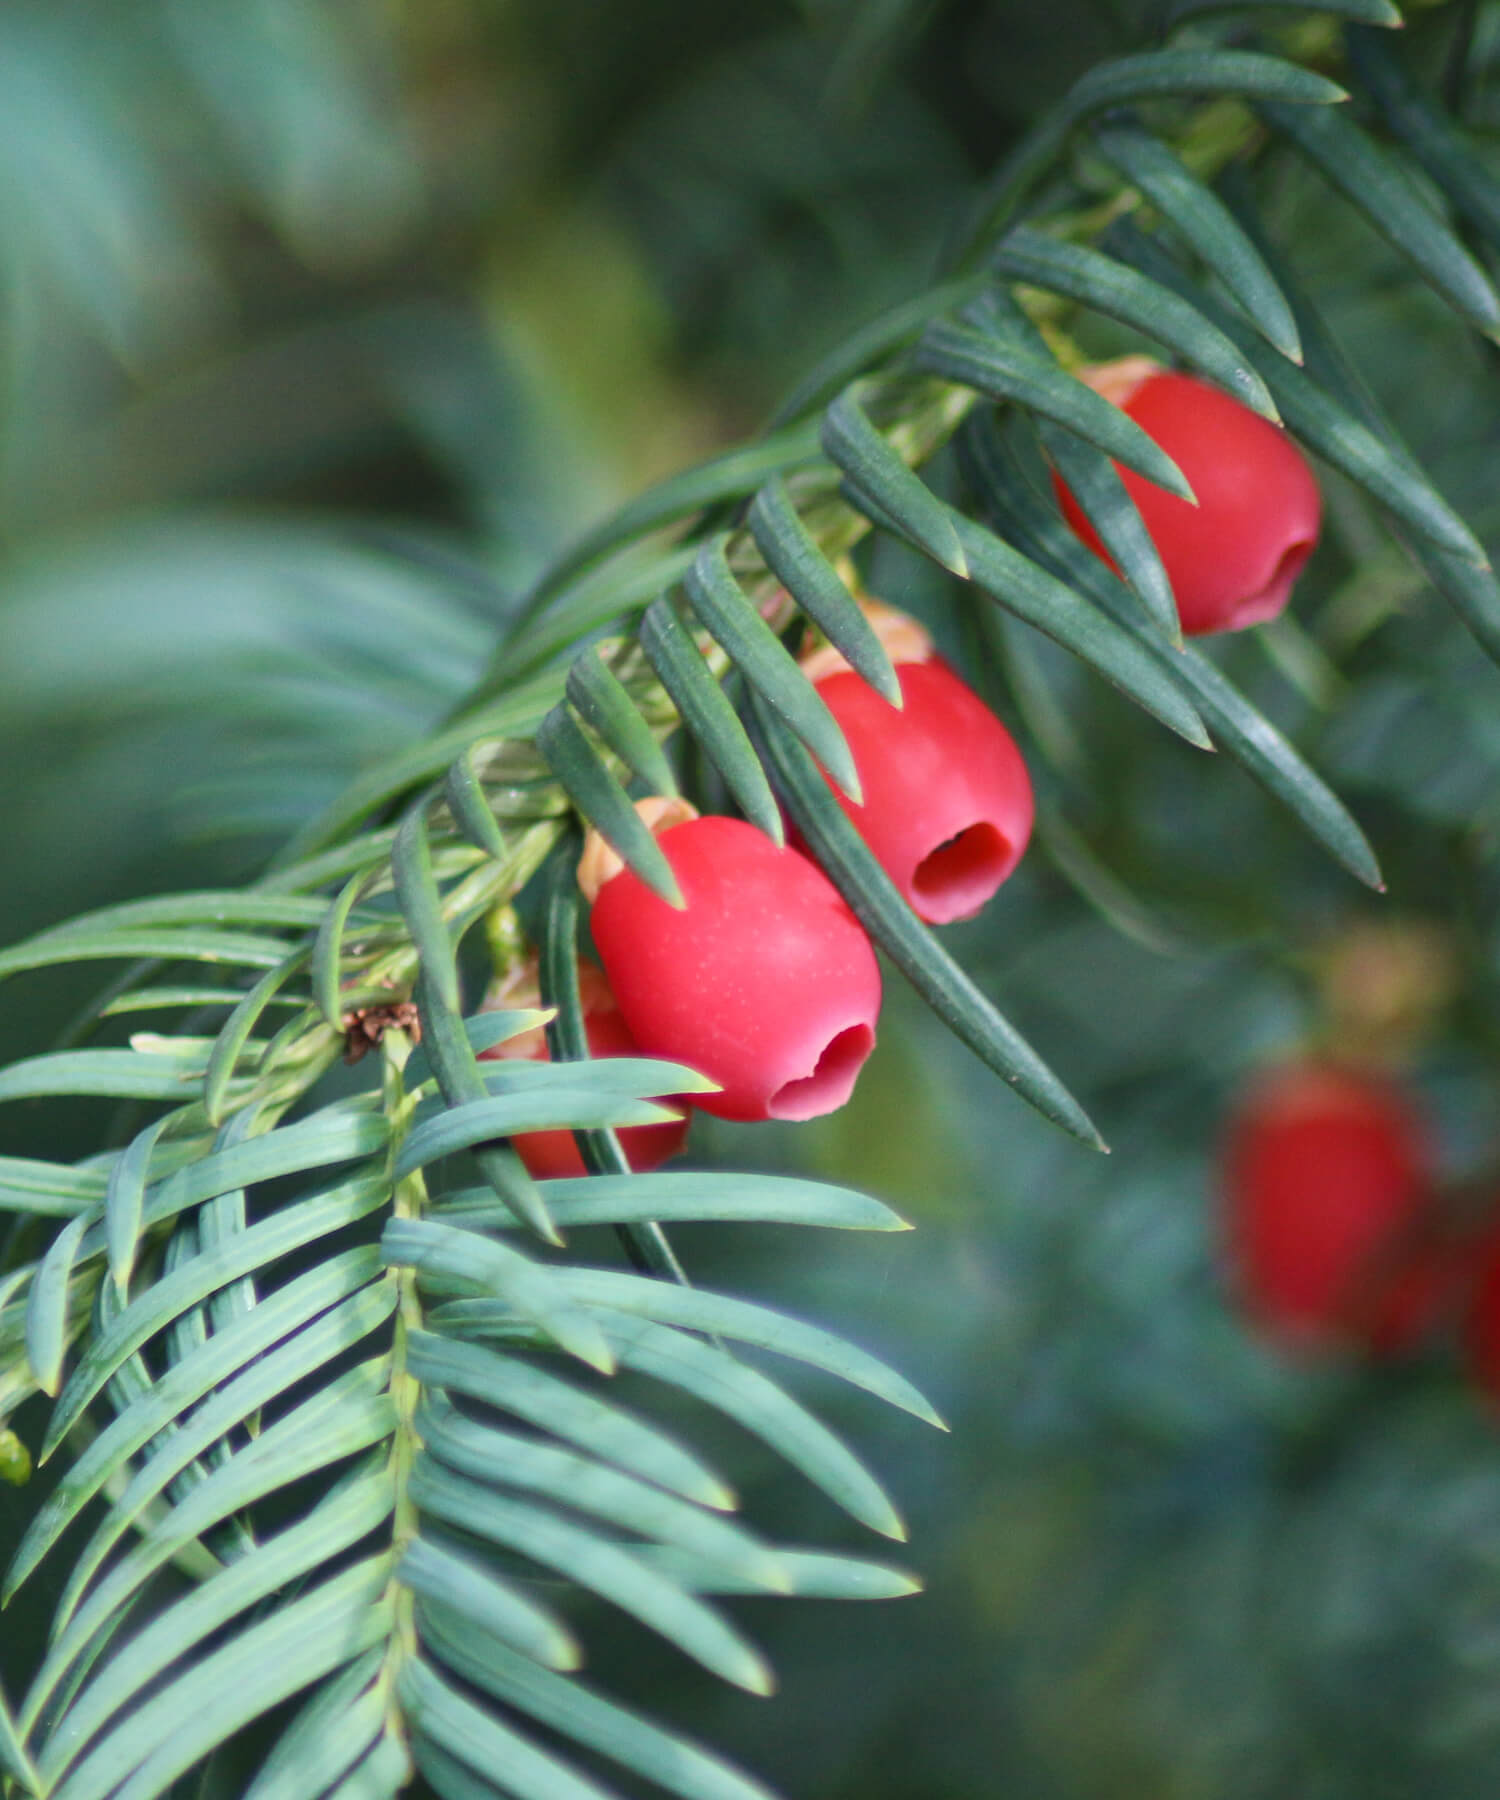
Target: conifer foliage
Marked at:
327, 1374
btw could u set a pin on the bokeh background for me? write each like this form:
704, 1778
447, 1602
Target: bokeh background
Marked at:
322, 324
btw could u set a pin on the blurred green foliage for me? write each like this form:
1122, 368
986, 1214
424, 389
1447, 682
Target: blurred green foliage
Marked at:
323, 324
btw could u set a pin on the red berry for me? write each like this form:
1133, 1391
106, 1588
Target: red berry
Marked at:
549, 1153
1232, 559
765, 982
1327, 1175
947, 801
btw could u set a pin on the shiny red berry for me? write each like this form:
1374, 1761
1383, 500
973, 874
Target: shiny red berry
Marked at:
765, 981
947, 807
1328, 1173
549, 1153
1233, 558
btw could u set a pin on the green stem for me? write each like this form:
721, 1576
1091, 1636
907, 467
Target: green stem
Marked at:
408, 1201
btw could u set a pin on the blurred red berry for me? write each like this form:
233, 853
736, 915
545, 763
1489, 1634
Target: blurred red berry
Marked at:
1233, 558
1328, 1174
765, 982
947, 806
549, 1153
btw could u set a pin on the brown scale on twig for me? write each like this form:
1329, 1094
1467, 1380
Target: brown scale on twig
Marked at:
367, 1025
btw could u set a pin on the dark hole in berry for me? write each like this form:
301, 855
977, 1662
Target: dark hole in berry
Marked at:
955, 880
831, 1082
1268, 601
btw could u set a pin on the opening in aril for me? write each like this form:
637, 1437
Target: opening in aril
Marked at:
955, 880
831, 1082
1264, 604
